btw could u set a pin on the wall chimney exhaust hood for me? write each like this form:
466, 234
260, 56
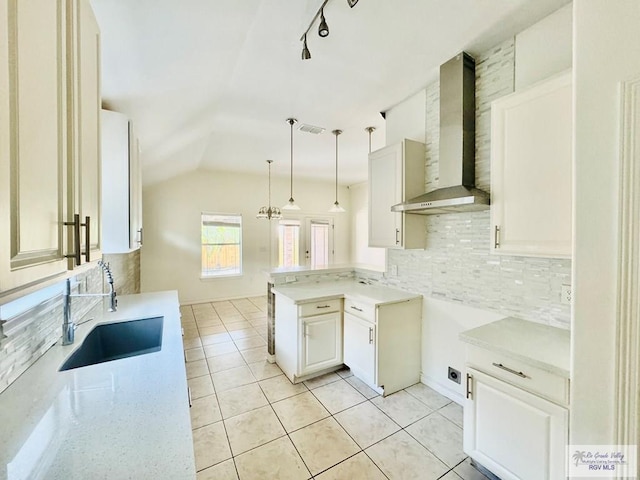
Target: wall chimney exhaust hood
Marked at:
456, 192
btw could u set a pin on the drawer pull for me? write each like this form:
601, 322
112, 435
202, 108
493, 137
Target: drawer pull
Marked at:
370, 335
323, 306
510, 370
356, 308
469, 383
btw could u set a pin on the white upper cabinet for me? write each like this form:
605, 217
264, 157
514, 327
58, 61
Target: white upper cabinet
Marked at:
121, 202
46, 126
531, 165
85, 181
32, 141
396, 174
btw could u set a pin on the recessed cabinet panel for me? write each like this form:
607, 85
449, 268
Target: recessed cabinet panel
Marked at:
360, 348
32, 141
396, 174
322, 342
515, 434
88, 195
531, 158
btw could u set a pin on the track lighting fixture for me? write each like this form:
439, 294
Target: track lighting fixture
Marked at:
323, 27
336, 208
291, 204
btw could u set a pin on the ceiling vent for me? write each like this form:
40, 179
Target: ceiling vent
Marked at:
311, 129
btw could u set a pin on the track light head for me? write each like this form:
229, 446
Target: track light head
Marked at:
323, 29
306, 54
352, 3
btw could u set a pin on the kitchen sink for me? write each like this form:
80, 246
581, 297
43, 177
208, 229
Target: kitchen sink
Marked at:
113, 341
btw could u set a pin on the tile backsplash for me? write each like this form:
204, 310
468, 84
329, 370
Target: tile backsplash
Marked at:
457, 265
27, 335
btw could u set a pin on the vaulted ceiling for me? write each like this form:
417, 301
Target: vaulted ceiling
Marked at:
210, 83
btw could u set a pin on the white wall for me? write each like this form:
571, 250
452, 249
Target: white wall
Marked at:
545, 48
606, 52
407, 119
363, 255
171, 253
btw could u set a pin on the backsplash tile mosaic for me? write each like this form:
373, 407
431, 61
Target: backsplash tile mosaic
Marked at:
26, 336
457, 265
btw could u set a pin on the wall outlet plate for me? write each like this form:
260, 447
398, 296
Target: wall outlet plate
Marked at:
454, 375
565, 295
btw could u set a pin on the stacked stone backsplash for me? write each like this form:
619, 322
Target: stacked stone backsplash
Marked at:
126, 271
26, 336
457, 265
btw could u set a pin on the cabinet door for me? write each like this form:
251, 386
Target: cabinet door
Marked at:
321, 342
385, 190
531, 158
32, 141
86, 178
515, 434
360, 348
115, 176
135, 180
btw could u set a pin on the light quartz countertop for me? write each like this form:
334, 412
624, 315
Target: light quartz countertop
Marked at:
124, 419
320, 291
541, 346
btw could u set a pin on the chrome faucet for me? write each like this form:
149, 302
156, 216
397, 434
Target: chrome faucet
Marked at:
68, 327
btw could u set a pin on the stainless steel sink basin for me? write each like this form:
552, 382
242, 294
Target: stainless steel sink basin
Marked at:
114, 341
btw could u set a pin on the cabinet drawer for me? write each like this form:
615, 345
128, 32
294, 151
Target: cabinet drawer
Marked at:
318, 308
363, 310
521, 374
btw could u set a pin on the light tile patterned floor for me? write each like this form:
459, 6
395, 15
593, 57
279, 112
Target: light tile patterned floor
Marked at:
250, 422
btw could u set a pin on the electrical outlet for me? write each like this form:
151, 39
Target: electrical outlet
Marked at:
565, 295
394, 270
454, 375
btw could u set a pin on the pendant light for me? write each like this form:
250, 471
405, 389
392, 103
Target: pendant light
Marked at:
336, 208
370, 130
269, 212
291, 204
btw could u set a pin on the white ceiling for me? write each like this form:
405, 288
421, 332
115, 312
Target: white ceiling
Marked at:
210, 83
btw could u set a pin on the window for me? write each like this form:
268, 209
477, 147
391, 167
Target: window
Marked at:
289, 243
221, 245
319, 243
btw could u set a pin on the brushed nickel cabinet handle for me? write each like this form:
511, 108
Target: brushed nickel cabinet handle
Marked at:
510, 370
370, 335
189, 395
76, 239
87, 238
323, 306
141, 236
496, 237
356, 308
397, 233
469, 383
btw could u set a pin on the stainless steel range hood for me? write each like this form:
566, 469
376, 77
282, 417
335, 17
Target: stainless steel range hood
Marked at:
457, 192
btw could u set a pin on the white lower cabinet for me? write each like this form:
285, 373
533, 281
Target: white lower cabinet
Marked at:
516, 434
382, 343
308, 337
360, 347
321, 342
